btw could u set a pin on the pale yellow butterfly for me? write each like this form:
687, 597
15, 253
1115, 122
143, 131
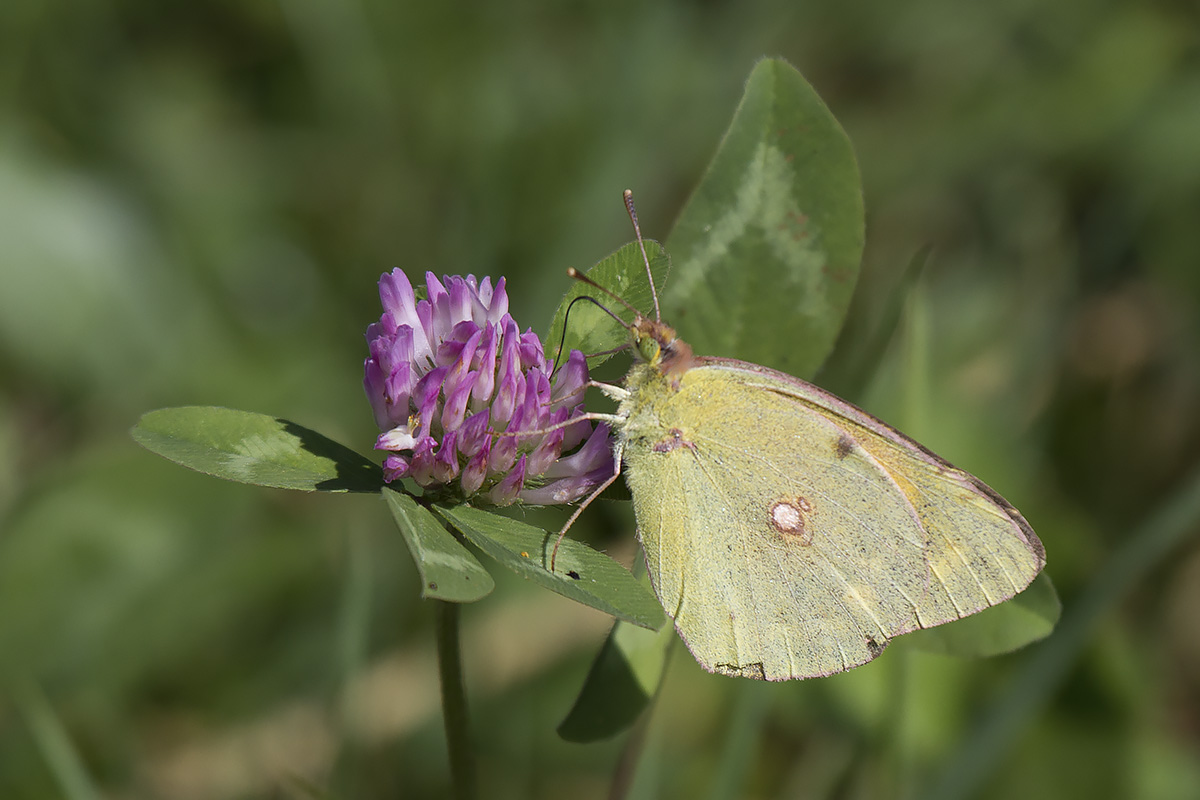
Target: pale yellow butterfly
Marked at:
788, 533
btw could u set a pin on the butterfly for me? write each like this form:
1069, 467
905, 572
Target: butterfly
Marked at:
788, 533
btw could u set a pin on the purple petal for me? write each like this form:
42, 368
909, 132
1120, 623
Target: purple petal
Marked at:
473, 434
459, 382
434, 291
531, 350
460, 292
425, 393
476, 470
465, 341
425, 336
480, 298
526, 416
380, 347
456, 403
574, 433
398, 351
510, 388
383, 329
441, 320
504, 453
373, 380
487, 368
595, 454
398, 438
549, 448
401, 379
445, 462
498, 307
421, 464
517, 422
396, 296
538, 385
400, 311
570, 380
394, 468
462, 340
505, 492
565, 490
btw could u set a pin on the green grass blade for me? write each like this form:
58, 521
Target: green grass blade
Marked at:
55, 745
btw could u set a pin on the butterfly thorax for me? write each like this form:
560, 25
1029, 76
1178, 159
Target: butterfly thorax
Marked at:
653, 381
644, 409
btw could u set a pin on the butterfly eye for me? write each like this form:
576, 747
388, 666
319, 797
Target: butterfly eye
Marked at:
649, 349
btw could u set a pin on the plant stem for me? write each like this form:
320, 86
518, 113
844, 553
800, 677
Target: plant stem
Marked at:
54, 743
454, 702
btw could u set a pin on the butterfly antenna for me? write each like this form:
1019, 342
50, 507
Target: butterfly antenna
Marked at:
566, 317
579, 276
641, 243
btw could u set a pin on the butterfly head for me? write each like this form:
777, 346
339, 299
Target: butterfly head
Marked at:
653, 340
657, 343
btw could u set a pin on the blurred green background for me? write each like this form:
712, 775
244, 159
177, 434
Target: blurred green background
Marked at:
197, 199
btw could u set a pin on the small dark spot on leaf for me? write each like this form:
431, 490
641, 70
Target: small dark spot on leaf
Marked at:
433, 585
573, 575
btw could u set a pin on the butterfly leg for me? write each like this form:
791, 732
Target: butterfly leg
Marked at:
596, 493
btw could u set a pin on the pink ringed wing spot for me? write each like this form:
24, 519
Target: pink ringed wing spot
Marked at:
789, 516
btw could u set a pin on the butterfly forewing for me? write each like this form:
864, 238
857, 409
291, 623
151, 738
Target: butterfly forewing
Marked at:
979, 548
791, 535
